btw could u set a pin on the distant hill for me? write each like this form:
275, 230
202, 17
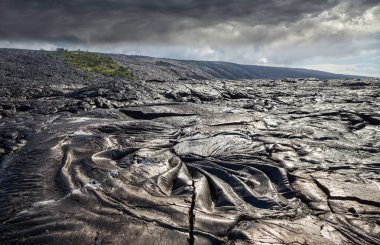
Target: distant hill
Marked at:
33, 63
159, 68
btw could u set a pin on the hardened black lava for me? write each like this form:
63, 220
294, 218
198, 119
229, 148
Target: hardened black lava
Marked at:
105, 160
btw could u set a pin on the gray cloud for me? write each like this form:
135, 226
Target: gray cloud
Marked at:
100, 21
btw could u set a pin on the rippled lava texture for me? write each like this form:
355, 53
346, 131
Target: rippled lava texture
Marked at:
110, 161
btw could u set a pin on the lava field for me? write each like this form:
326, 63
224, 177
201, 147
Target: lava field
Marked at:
183, 160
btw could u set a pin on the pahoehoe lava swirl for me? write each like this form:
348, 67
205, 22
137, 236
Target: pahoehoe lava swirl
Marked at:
149, 181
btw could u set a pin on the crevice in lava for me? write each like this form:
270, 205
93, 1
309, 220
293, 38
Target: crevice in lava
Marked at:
343, 198
150, 116
327, 193
192, 215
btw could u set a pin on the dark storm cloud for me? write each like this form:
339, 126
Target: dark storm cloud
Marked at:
100, 21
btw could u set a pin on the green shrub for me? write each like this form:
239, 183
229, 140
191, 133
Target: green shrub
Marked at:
92, 62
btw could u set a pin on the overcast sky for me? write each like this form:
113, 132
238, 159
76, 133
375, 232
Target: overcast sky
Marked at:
341, 36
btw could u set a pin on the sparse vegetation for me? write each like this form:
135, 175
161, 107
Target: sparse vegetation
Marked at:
92, 62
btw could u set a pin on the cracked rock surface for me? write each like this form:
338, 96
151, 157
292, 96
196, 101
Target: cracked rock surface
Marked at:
111, 161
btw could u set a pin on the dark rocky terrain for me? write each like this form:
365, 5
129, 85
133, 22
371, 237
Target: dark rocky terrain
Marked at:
164, 160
